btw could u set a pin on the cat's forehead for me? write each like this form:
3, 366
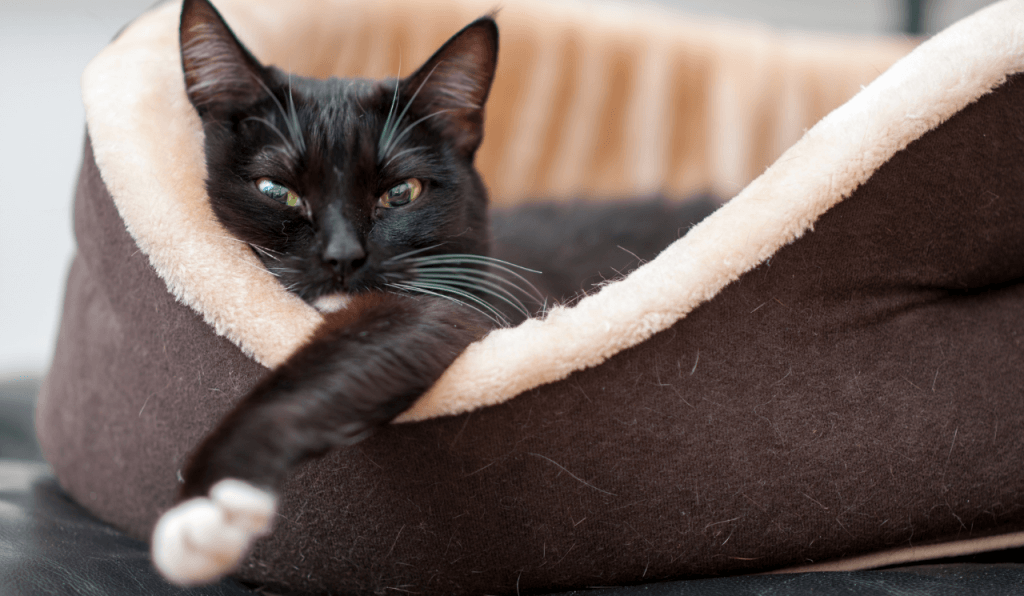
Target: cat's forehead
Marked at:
332, 112
343, 92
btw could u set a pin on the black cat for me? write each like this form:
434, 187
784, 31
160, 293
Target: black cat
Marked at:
361, 197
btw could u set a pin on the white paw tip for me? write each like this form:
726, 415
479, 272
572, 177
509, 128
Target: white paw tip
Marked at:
245, 505
203, 539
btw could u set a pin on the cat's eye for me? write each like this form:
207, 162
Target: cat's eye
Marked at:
278, 192
401, 194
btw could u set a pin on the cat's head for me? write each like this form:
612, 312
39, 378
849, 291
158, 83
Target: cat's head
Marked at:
332, 181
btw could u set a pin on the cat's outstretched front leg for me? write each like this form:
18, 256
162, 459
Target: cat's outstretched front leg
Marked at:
365, 366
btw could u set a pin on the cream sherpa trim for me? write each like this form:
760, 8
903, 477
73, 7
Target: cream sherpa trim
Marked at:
910, 554
148, 146
840, 153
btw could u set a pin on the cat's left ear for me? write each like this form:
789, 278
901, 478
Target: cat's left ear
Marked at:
219, 71
455, 81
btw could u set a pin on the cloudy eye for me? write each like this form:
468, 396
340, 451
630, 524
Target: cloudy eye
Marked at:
278, 192
401, 194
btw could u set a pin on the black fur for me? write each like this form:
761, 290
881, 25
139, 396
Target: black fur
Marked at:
340, 145
326, 140
365, 366
583, 245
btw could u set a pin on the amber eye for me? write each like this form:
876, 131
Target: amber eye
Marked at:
278, 192
401, 194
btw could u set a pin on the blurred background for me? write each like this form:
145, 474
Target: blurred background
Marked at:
45, 45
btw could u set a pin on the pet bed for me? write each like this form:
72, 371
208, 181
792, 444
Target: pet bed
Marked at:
825, 373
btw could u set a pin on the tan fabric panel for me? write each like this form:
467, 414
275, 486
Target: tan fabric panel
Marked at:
595, 98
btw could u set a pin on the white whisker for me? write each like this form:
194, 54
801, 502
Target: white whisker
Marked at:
275, 129
497, 264
419, 290
481, 286
535, 295
410, 127
410, 253
472, 257
292, 125
389, 143
467, 295
293, 118
394, 104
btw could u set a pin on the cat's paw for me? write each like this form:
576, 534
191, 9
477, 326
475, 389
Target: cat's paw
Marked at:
202, 539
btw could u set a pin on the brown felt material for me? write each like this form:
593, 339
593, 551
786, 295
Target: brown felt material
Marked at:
857, 392
137, 378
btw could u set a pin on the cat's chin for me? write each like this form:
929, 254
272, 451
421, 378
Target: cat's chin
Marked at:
332, 302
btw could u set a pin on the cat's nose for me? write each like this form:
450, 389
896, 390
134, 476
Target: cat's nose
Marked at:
343, 253
342, 250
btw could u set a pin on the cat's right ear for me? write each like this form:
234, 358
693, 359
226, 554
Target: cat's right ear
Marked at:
454, 83
219, 71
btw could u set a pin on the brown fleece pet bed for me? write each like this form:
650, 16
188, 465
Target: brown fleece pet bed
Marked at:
825, 373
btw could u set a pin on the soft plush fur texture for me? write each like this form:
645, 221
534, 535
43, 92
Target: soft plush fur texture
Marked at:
631, 99
848, 394
774, 210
